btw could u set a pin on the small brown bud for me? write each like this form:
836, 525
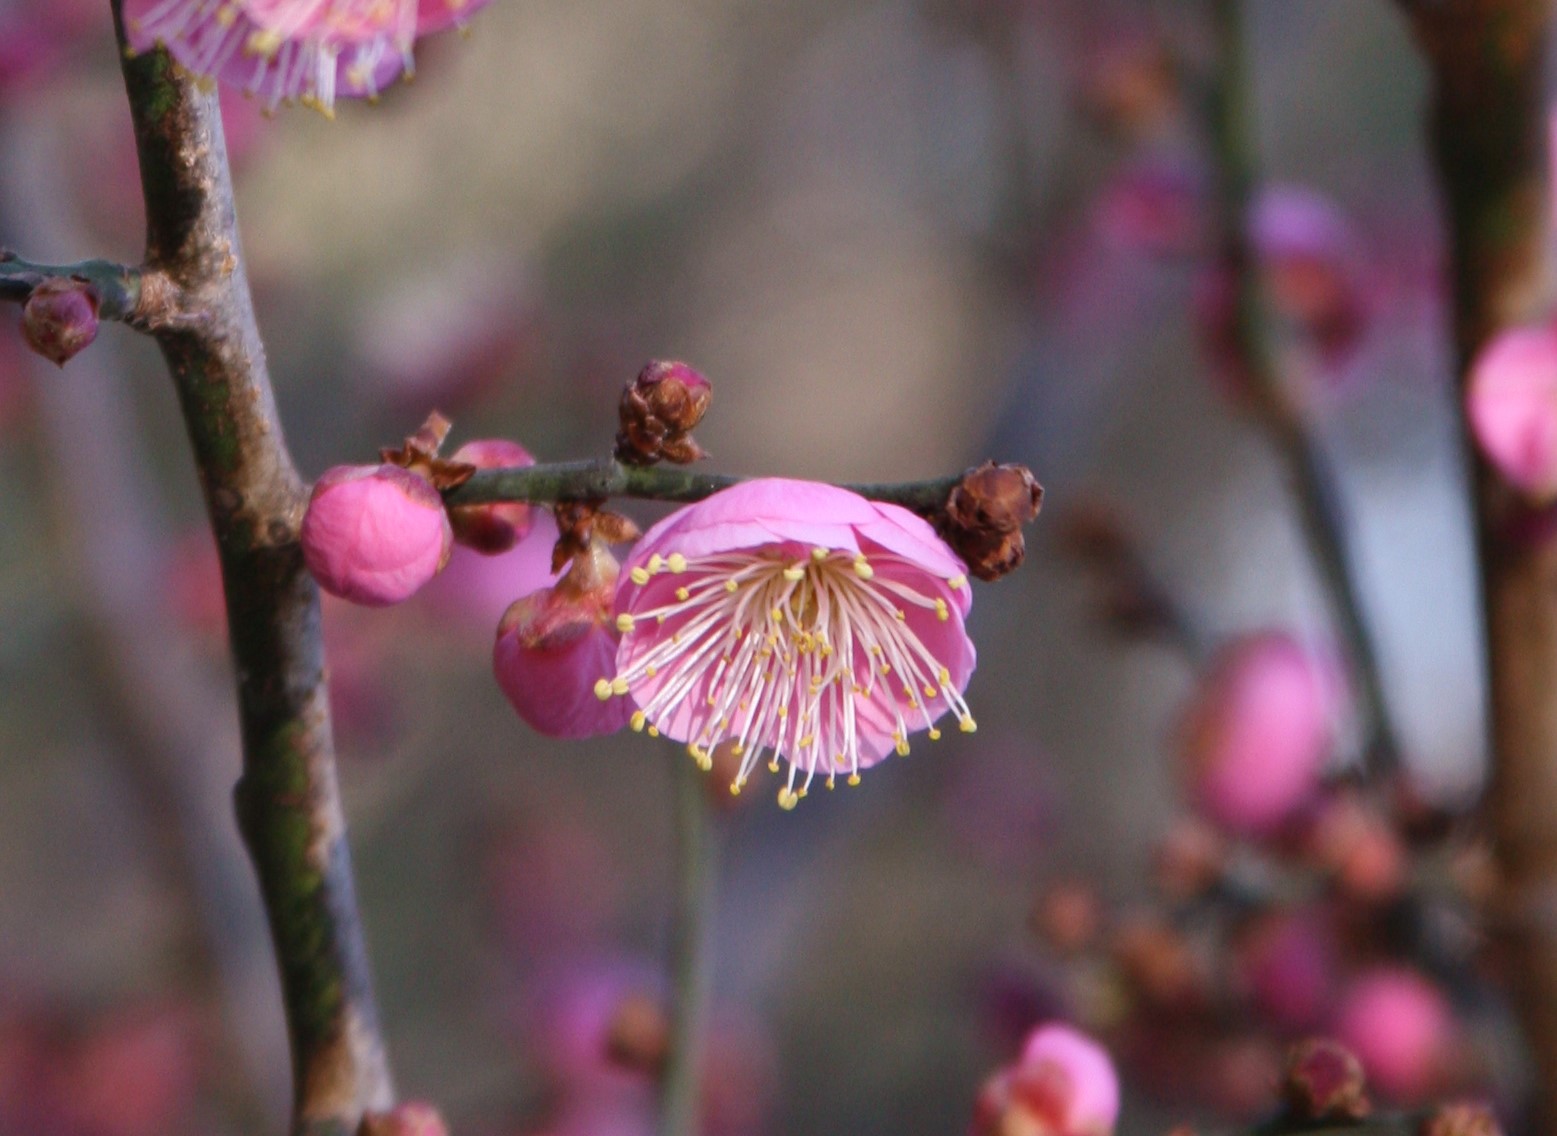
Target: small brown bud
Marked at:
1323, 1080
985, 514
638, 1036
414, 1118
59, 319
658, 411
420, 455
1461, 1118
582, 524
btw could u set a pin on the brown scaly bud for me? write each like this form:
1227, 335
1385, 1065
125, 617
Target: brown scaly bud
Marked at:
985, 514
1323, 1080
638, 1035
580, 524
1461, 1118
420, 455
658, 412
414, 1118
59, 319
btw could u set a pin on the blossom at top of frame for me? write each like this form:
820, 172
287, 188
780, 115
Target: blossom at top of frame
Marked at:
796, 618
283, 51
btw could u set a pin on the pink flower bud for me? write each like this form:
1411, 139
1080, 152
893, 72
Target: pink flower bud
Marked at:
59, 319
495, 527
1063, 1084
375, 534
1511, 402
1257, 735
414, 1118
1401, 1027
553, 647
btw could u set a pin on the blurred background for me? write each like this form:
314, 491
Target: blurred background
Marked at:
899, 236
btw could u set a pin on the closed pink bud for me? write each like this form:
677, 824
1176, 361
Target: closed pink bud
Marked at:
414, 1118
59, 320
1063, 1084
554, 648
375, 534
1402, 1029
1511, 402
498, 526
1256, 737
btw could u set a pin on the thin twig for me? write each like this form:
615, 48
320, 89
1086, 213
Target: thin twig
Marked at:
691, 963
1313, 481
288, 801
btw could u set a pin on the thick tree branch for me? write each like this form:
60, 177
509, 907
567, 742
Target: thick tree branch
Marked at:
287, 799
1312, 479
1488, 134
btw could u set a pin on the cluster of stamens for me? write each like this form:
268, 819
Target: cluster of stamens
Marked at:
297, 51
812, 657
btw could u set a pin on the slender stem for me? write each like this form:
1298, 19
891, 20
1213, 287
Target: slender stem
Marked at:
118, 287
697, 851
1313, 480
605, 477
288, 802
1487, 129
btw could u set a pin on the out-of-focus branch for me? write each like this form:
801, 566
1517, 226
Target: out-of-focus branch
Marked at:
288, 801
1488, 135
1312, 479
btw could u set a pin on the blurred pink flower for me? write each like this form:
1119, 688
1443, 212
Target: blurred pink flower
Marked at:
554, 643
1511, 402
1402, 1029
284, 50
796, 617
1287, 963
1063, 1084
1257, 735
375, 534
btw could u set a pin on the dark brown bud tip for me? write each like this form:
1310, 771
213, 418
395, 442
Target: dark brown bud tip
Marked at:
658, 411
1323, 1080
420, 454
1461, 1118
984, 517
59, 320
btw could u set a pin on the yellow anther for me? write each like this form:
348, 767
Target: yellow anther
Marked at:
819, 554
653, 731
677, 563
619, 685
862, 567
639, 576
900, 615
794, 572
624, 623
945, 676
935, 735
730, 586
941, 611
711, 700
737, 749
773, 766
265, 42
656, 562
805, 742
802, 793
930, 691
832, 783
650, 671
787, 799
683, 595
778, 617
886, 668
603, 689
957, 582
735, 788
637, 721
783, 711
968, 725
854, 779
902, 749
696, 751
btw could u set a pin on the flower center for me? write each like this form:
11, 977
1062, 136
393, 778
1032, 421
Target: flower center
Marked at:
813, 657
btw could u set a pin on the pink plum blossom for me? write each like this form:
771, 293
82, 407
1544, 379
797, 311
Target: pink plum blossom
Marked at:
375, 534
794, 617
1256, 737
1063, 1084
553, 642
498, 526
1511, 402
293, 50
1402, 1029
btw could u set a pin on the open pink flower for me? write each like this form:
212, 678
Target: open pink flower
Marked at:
793, 617
293, 50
